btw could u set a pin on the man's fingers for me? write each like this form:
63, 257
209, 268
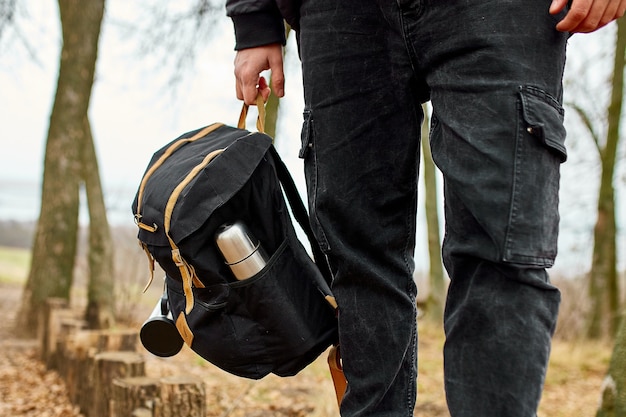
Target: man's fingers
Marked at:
622, 9
238, 90
576, 16
278, 76
610, 13
263, 89
247, 86
249, 63
249, 94
588, 15
246, 91
557, 6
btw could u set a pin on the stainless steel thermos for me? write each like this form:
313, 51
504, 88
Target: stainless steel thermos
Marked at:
241, 251
159, 334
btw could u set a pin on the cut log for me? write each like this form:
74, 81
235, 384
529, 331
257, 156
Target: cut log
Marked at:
49, 329
133, 396
69, 327
181, 396
117, 340
106, 367
79, 348
141, 412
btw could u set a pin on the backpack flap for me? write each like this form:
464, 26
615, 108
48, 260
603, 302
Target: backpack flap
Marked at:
199, 194
205, 192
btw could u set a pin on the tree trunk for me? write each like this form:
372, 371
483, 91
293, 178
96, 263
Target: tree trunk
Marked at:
271, 114
436, 296
54, 249
100, 288
273, 104
613, 395
603, 282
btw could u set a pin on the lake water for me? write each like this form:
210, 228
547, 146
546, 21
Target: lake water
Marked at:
20, 201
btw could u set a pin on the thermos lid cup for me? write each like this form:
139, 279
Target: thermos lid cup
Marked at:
160, 337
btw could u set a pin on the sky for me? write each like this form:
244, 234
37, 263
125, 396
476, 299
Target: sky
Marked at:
133, 113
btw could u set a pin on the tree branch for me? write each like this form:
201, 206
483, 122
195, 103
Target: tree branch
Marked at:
588, 123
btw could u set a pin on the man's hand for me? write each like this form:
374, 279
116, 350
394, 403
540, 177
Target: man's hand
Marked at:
587, 15
249, 63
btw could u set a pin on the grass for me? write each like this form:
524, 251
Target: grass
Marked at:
14, 264
575, 375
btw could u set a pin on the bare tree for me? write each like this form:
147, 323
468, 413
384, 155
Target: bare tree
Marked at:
100, 285
54, 249
172, 33
175, 31
273, 103
7, 13
603, 278
613, 398
437, 286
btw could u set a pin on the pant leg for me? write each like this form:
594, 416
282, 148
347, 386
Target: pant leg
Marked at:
361, 153
494, 70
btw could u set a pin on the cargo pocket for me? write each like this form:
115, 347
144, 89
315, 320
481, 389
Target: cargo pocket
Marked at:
532, 233
311, 172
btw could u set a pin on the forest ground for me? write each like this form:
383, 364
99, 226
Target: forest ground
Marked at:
577, 369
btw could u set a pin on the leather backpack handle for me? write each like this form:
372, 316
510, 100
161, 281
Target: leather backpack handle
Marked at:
260, 121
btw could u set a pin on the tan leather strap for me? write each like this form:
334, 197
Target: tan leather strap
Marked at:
168, 152
150, 264
260, 121
336, 372
187, 272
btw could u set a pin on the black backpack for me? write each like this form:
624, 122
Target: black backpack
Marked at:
204, 182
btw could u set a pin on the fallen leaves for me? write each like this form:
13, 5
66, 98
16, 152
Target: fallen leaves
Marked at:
27, 388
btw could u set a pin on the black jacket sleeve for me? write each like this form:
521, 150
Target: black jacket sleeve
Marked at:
257, 22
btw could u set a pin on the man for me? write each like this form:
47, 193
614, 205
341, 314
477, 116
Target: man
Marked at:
493, 72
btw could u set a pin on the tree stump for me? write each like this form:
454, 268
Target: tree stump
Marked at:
69, 326
117, 340
106, 367
49, 329
79, 350
181, 396
129, 396
141, 412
